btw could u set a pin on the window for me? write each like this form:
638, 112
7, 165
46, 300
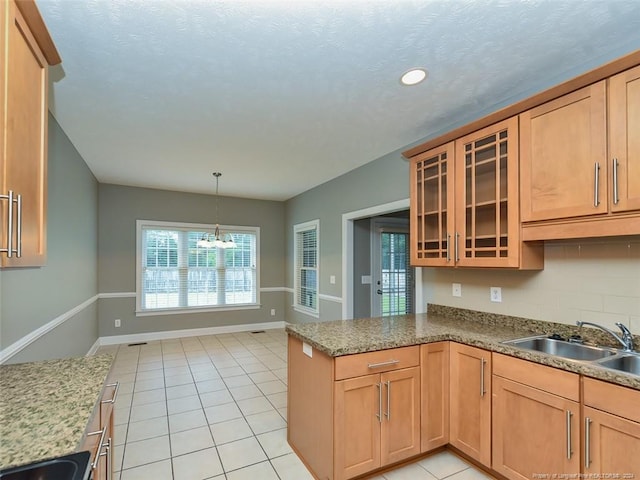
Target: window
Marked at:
306, 267
174, 273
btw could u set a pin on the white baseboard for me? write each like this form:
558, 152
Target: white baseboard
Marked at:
188, 332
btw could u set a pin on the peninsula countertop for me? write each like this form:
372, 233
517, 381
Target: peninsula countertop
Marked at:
479, 329
45, 406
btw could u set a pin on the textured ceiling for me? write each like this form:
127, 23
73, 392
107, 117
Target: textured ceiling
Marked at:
283, 96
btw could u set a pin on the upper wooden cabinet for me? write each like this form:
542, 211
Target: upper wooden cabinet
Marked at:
25, 52
464, 203
580, 162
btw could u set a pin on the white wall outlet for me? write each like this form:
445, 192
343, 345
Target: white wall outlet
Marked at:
273, 312
117, 323
496, 294
332, 279
307, 349
365, 279
456, 289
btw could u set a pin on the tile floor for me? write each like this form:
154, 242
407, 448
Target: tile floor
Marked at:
215, 407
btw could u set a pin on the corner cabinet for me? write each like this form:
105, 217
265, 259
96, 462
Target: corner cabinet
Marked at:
26, 50
465, 203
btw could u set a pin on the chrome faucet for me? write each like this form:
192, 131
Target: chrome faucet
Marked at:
626, 340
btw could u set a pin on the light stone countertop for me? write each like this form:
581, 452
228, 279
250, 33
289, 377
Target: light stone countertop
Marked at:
479, 329
45, 406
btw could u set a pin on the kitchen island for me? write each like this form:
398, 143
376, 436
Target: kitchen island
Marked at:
45, 406
362, 393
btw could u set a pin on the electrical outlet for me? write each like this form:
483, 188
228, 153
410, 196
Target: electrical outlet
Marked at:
496, 294
332, 279
117, 323
273, 312
456, 289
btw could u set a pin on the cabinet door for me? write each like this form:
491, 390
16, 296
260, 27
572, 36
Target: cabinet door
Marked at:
400, 434
470, 407
487, 225
432, 207
612, 445
563, 156
24, 163
358, 415
434, 387
533, 431
624, 141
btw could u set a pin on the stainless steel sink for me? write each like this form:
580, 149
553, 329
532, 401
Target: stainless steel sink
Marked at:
69, 467
562, 348
624, 363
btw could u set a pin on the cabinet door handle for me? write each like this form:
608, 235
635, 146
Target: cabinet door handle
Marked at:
379, 414
482, 390
616, 197
97, 455
448, 249
388, 414
383, 364
10, 226
10, 250
596, 185
587, 442
115, 392
456, 252
568, 416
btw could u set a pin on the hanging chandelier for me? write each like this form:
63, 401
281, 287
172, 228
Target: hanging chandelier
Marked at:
217, 239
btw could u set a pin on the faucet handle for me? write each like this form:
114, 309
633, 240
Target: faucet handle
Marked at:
626, 335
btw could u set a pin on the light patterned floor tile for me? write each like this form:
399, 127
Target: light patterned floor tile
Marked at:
241, 453
222, 413
156, 471
412, 471
187, 420
443, 464
197, 465
259, 471
230, 431
275, 443
146, 451
190, 441
290, 467
145, 429
265, 422
183, 404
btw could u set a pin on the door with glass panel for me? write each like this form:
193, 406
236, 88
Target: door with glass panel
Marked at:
393, 277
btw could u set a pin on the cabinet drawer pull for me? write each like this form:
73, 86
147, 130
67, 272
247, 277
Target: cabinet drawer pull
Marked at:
115, 392
482, 389
379, 414
383, 364
569, 452
596, 185
587, 442
616, 197
97, 455
448, 249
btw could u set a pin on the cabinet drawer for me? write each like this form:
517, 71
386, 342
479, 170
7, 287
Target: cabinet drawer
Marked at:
621, 401
360, 364
548, 379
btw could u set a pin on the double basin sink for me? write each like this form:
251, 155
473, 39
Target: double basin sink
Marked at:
620, 360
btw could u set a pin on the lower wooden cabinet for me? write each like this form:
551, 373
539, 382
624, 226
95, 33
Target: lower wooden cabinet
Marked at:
377, 421
470, 401
434, 387
99, 435
611, 443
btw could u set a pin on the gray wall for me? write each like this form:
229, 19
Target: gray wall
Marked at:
361, 266
120, 207
32, 297
379, 182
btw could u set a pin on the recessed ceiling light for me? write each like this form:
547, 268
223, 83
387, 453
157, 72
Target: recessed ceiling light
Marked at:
413, 76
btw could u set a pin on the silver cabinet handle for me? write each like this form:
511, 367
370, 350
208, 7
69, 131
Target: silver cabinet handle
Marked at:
379, 414
19, 226
596, 185
17, 200
448, 249
587, 442
569, 452
482, 390
10, 226
383, 364
456, 252
388, 414
616, 197
115, 392
97, 456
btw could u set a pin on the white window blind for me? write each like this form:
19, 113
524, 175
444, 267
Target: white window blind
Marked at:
306, 265
175, 273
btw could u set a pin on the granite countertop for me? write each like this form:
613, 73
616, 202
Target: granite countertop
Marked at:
479, 329
45, 406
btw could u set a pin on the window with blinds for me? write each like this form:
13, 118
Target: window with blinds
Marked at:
175, 273
306, 267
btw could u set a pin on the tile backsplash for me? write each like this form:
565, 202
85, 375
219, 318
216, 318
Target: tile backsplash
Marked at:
594, 280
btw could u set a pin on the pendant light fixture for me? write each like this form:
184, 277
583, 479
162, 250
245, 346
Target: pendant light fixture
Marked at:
219, 240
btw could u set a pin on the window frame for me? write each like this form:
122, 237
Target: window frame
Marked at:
190, 227
297, 229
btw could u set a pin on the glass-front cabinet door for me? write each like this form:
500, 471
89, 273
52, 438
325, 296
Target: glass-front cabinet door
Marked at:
432, 207
487, 229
